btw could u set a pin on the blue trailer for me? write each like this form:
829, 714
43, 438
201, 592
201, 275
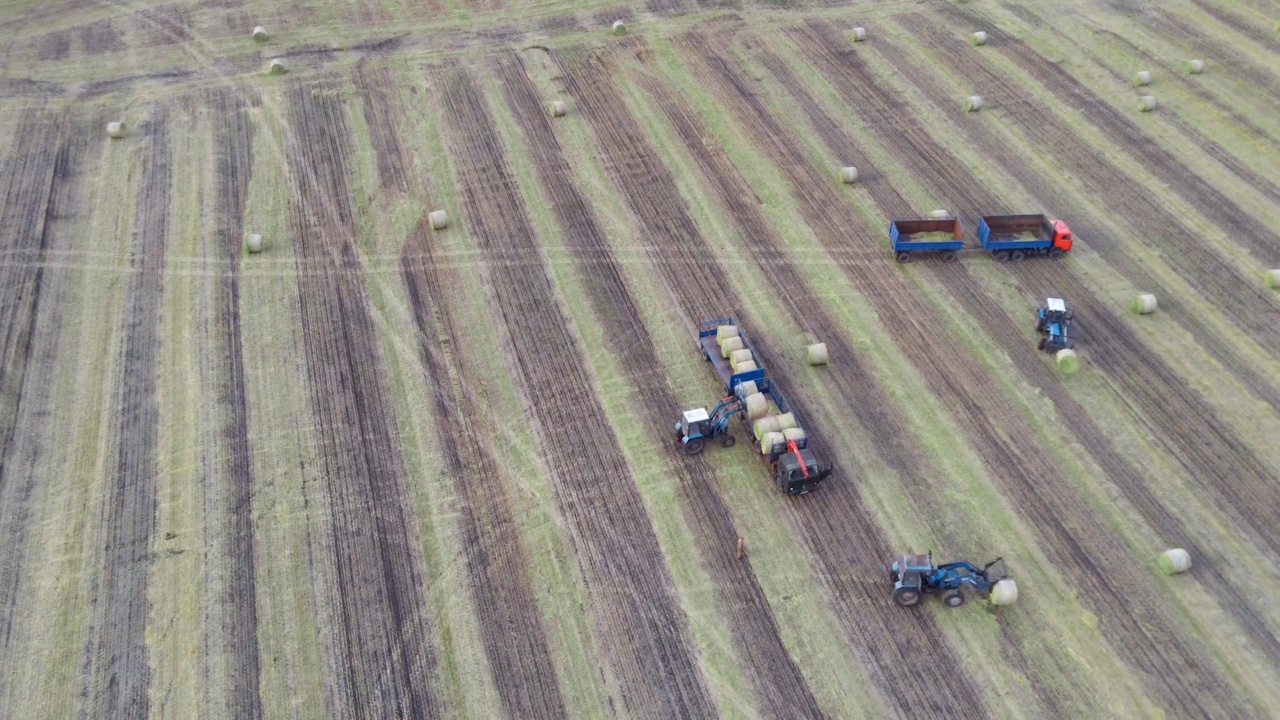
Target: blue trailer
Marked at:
913, 235
1013, 237
747, 389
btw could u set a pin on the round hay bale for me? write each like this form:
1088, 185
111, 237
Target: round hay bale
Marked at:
765, 425
1174, 561
848, 175
1272, 278
276, 67
260, 34
757, 406
729, 345
439, 219
1195, 67
1142, 78
817, 354
726, 331
769, 440
794, 433
1147, 103
745, 366
116, 130
557, 108
737, 357
253, 243
940, 214
746, 388
859, 34
978, 38
973, 103
1004, 592
619, 28
786, 421
1067, 361
1144, 304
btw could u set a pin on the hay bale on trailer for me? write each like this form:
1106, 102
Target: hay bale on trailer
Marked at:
728, 345
765, 425
757, 406
769, 440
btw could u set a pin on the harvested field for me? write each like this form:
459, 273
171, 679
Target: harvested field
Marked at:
386, 466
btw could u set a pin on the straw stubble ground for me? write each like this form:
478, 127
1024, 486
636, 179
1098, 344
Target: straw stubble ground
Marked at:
385, 470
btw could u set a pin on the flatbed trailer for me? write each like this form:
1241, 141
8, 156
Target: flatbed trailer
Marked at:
1013, 237
908, 236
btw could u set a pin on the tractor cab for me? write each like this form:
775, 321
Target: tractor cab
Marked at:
797, 471
693, 425
1061, 236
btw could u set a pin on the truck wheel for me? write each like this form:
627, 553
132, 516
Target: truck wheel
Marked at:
906, 597
949, 256
1017, 255
727, 440
1055, 254
904, 257
693, 447
1001, 255
953, 598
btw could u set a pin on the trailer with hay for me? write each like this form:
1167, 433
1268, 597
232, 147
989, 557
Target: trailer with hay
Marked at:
751, 395
915, 575
944, 235
1013, 237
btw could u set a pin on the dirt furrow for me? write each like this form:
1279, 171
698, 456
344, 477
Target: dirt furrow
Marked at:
1074, 539
229, 517
115, 675
781, 690
1237, 23
1239, 298
700, 287
639, 617
514, 639
1224, 54
385, 663
375, 85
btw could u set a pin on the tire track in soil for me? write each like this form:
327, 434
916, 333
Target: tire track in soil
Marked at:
636, 610
1239, 299
230, 497
382, 641
31, 305
1074, 539
514, 638
115, 675
837, 529
374, 85
780, 688
1127, 477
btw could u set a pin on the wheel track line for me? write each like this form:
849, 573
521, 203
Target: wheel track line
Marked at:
1047, 132
231, 512
383, 641
515, 641
613, 539
651, 192
780, 688
1013, 455
115, 675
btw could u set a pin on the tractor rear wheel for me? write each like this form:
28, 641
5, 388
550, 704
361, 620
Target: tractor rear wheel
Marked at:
727, 440
906, 597
1040, 346
904, 257
693, 447
1001, 255
953, 598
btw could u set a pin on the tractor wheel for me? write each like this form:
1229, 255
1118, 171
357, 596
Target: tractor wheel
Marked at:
906, 597
904, 257
727, 440
949, 256
1039, 324
693, 447
1055, 254
953, 598
1040, 345
1017, 255
892, 575
1001, 255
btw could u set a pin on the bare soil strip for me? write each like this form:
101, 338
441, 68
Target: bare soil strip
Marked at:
229, 517
385, 663
1241, 299
1237, 23
836, 527
1225, 52
115, 677
1071, 535
998, 323
639, 617
514, 638
781, 690
380, 111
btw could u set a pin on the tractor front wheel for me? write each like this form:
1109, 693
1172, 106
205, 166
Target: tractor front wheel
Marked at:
906, 597
727, 440
693, 447
953, 598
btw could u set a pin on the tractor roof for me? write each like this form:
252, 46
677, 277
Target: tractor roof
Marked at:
696, 415
1056, 305
921, 562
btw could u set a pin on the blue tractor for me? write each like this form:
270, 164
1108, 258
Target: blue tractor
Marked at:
1052, 319
698, 426
915, 576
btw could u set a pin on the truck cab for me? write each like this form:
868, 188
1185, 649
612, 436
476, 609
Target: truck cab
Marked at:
1061, 236
797, 472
